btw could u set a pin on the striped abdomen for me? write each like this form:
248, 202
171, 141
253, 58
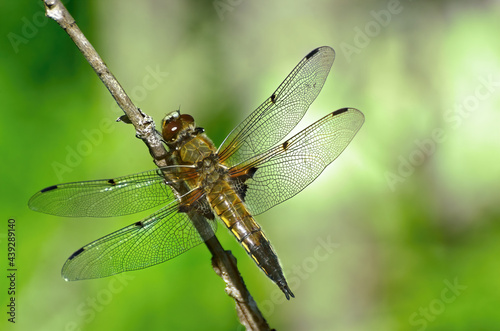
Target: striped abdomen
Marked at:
229, 207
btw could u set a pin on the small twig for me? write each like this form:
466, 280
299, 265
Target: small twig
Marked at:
223, 261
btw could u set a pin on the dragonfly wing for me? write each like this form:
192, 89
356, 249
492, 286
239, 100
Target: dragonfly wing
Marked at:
156, 239
106, 197
281, 112
277, 175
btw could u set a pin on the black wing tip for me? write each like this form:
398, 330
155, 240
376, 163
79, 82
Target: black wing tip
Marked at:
311, 53
75, 254
68, 277
32, 203
343, 110
47, 189
316, 50
340, 111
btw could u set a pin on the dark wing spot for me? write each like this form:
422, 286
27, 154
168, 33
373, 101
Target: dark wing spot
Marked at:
251, 172
50, 188
311, 53
242, 191
285, 145
202, 207
239, 182
243, 176
339, 111
209, 215
183, 209
112, 182
273, 98
75, 254
139, 224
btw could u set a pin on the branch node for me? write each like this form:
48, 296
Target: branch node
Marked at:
124, 119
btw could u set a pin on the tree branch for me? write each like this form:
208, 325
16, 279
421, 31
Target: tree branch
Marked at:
223, 262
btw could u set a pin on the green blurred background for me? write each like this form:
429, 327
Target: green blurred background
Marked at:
409, 212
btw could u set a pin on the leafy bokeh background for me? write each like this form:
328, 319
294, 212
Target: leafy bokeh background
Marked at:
411, 206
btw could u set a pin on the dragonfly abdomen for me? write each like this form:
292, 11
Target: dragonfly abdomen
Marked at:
232, 211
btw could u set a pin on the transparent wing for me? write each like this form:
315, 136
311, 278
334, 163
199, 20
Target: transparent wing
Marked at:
279, 114
285, 170
107, 197
156, 239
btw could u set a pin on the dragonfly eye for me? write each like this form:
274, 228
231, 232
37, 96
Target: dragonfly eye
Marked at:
187, 118
171, 129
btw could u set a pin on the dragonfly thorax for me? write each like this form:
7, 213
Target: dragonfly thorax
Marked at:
189, 145
211, 171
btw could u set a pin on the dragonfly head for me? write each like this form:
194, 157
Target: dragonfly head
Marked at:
175, 125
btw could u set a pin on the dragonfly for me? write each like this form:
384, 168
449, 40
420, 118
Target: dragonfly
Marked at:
253, 170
